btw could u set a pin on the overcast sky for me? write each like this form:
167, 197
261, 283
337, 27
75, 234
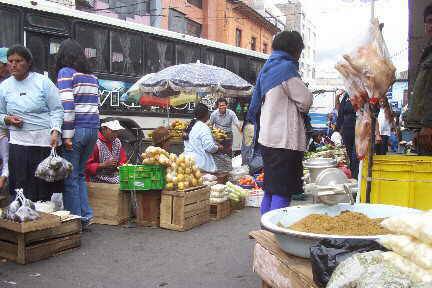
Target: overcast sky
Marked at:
341, 24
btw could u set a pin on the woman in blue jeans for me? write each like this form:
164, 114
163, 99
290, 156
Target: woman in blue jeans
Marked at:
80, 99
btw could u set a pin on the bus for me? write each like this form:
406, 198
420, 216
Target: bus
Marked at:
119, 53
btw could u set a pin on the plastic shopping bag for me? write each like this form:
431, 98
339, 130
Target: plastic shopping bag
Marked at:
327, 254
53, 168
369, 269
21, 209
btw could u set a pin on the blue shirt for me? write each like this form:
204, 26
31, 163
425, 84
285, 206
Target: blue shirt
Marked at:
201, 146
35, 100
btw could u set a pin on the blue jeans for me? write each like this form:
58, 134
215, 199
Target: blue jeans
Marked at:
75, 198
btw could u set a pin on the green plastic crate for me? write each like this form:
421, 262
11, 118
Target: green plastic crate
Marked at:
142, 177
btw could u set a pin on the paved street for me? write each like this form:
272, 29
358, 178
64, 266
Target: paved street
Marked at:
217, 254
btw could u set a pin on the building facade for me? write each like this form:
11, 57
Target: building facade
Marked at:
297, 19
231, 22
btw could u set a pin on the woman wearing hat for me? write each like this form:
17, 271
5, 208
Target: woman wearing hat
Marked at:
161, 137
108, 154
4, 71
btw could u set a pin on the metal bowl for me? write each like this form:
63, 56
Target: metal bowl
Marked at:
330, 177
298, 243
317, 165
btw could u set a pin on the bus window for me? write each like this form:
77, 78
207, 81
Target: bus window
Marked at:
11, 27
47, 22
37, 44
244, 68
126, 53
159, 55
233, 64
94, 40
187, 54
44, 48
254, 68
214, 58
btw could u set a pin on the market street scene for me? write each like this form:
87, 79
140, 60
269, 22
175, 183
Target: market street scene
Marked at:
216, 143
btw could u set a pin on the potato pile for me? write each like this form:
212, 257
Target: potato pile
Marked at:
156, 156
219, 134
177, 128
182, 173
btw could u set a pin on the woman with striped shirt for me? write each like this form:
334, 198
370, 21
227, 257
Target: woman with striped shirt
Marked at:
80, 99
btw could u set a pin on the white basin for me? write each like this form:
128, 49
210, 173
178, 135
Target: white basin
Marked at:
298, 243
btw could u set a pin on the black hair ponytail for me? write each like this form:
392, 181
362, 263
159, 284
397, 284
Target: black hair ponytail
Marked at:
201, 112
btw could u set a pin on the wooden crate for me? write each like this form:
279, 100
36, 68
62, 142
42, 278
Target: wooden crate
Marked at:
45, 221
183, 210
110, 205
148, 208
275, 267
33, 246
220, 210
238, 205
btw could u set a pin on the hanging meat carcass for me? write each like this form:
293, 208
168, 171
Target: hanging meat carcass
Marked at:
367, 73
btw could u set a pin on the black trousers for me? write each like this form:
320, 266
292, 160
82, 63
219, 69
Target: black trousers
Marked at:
348, 137
23, 161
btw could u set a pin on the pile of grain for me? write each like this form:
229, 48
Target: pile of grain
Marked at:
347, 223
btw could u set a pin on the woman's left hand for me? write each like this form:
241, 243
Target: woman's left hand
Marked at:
54, 136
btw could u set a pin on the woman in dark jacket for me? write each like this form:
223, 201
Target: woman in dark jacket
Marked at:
346, 125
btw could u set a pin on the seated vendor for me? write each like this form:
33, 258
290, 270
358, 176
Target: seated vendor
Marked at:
108, 154
161, 138
199, 142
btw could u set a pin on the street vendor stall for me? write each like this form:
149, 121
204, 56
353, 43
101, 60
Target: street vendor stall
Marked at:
186, 83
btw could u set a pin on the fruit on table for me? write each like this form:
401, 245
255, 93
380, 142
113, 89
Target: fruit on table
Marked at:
247, 180
177, 128
219, 134
235, 192
260, 177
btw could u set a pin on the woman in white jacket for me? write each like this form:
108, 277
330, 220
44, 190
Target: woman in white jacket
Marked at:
199, 142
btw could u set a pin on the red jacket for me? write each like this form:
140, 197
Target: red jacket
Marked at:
93, 162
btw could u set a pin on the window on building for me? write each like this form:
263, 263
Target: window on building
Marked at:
238, 37
253, 43
265, 48
95, 41
197, 3
176, 21
193, 28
